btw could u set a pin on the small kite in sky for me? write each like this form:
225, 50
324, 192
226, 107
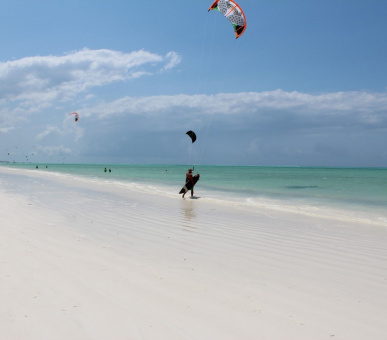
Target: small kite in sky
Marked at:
192, 135
76, 115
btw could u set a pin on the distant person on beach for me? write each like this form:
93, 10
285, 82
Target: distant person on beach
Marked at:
188, 176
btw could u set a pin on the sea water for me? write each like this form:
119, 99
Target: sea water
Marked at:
346, 193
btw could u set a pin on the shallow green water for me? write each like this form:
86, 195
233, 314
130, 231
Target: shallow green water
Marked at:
356, 189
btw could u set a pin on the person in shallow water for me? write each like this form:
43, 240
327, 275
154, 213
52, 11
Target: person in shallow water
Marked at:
188, 176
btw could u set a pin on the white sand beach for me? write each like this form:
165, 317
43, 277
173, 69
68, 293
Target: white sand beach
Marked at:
84, 260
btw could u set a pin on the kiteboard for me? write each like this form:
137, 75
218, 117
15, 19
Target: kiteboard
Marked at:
188, 184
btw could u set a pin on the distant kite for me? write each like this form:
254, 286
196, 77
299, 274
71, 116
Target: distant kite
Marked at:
192, 135
76, 115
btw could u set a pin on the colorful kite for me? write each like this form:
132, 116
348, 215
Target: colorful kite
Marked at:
233, 12
76, 115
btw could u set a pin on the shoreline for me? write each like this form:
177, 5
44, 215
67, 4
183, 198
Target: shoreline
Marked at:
89, 261
359, 214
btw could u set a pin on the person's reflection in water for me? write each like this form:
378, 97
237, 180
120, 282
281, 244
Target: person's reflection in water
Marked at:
188, 213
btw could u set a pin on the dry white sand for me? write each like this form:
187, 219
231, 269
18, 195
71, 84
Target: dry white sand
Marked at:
84, 260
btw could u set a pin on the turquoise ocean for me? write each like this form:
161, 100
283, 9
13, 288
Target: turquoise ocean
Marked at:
347, 193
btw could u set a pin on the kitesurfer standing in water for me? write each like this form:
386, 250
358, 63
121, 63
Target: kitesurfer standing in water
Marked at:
188, 176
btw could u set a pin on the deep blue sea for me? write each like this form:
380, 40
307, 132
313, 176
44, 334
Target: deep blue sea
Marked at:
358, 193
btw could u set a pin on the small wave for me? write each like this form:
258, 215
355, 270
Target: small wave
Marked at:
301, 186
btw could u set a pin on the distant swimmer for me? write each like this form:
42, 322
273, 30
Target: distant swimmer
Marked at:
105, 170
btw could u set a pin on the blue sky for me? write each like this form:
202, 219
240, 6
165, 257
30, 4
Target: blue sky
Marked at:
306, 85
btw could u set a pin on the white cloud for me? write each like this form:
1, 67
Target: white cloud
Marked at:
31, 85
48, 131
55, 150
6, 130
49, 78
68, 128
344, 108
173, 60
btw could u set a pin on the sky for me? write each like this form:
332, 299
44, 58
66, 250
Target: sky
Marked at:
305, 85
